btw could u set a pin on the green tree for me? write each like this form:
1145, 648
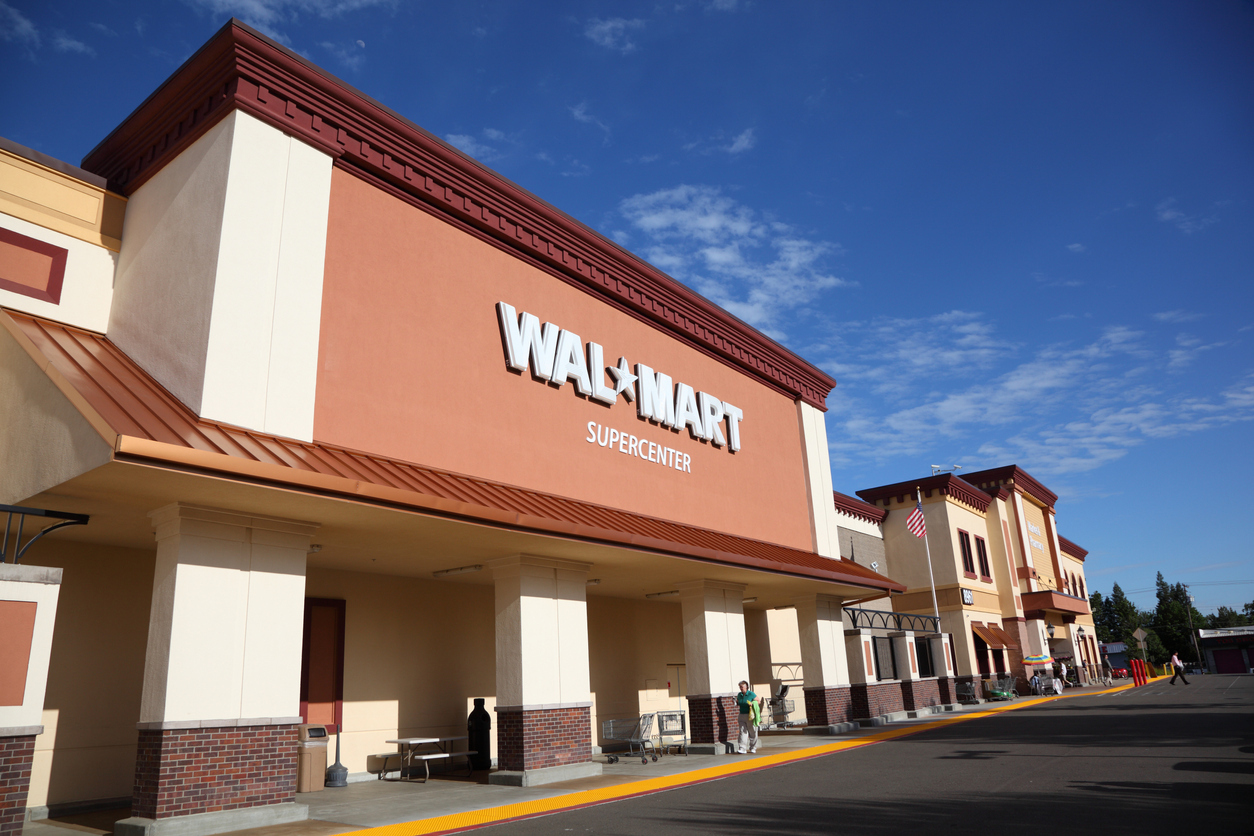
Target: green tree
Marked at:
1228, 617
1171, 619
1122, 617
1097, 606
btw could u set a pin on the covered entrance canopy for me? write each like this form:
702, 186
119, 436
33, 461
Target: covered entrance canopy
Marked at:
445, 520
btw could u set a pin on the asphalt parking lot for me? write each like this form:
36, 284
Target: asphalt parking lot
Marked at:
1155, 759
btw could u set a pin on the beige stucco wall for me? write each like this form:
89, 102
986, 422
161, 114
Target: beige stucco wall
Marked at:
219, 283
95, 677
416, 654
636, 651
36, 416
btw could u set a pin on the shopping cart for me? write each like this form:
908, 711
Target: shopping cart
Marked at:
636, 733
672, 731
778, 708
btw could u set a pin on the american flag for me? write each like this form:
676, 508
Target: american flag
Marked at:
915, 522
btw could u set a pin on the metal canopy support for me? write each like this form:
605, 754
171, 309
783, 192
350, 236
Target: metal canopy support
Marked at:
879, 619
21, 513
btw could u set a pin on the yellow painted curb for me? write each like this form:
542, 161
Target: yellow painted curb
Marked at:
585, 798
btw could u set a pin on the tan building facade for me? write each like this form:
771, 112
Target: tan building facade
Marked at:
1006, 586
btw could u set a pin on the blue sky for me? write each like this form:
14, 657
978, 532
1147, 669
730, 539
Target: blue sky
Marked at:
1015, 233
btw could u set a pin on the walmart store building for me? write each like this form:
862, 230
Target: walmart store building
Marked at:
366, 432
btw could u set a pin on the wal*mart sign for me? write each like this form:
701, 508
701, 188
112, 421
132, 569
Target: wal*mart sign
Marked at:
560, 356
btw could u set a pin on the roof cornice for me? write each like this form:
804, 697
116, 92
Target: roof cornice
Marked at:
855, 507
1016, 477
1071, 549
241, 69
946, 484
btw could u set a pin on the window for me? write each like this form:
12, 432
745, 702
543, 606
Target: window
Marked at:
1082, 595
981, 551
885, 658
923, 652
964, 544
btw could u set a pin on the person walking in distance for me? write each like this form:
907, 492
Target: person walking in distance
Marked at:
1177, 668
748, 729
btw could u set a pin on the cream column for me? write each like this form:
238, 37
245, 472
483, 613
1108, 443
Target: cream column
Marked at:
820, 623
904, 653
543, 692
222, 674
716, 657
225, 628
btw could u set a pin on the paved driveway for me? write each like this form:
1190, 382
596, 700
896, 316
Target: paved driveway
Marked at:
1156, 759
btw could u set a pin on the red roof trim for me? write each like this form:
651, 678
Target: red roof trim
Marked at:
241, 69
946, 484
990, 480
1071, 549
857, 508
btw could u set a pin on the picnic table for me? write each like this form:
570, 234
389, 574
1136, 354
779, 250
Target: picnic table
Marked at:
414, 750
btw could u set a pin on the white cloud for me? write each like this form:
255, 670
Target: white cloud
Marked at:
1177, 316
16, 28
104, 30
1188, 224
351, 57
743, 142
1077, 248
761, 270
726, 5
1189, 348
1062, 409
581, 114
614, 33
267, 15
62, 42
472, 146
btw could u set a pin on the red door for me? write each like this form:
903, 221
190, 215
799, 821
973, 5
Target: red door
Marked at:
322, 668
1228, 660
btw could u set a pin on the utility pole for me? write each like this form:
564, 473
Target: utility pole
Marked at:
1192, 632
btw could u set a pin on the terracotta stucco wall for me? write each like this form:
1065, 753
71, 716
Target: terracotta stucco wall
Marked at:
411, 365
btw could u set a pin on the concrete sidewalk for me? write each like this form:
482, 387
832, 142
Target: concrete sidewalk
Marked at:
450, 803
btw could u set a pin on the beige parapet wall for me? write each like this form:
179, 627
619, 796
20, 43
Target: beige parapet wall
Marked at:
60, 201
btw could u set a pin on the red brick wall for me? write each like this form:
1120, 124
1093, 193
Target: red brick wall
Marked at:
179, 772
828, 706
920, 693
16, 754
541, 738
948, 691
713, 719
872, 700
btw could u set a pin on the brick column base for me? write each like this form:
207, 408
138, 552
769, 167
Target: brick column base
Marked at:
920, 693
16, 754
182, 772
540, 738
713, 719
828, 706
873, 699
948, 691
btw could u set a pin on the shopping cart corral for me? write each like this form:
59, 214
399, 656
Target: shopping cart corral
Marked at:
636, 732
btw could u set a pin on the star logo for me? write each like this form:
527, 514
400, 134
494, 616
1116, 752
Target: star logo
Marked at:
624, 380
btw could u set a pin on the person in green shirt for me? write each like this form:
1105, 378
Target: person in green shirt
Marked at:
746, 700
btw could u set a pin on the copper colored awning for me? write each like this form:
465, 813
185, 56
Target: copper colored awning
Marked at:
145, 423
987, 636
1006, 639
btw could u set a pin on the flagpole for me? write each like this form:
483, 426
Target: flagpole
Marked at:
935, 609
